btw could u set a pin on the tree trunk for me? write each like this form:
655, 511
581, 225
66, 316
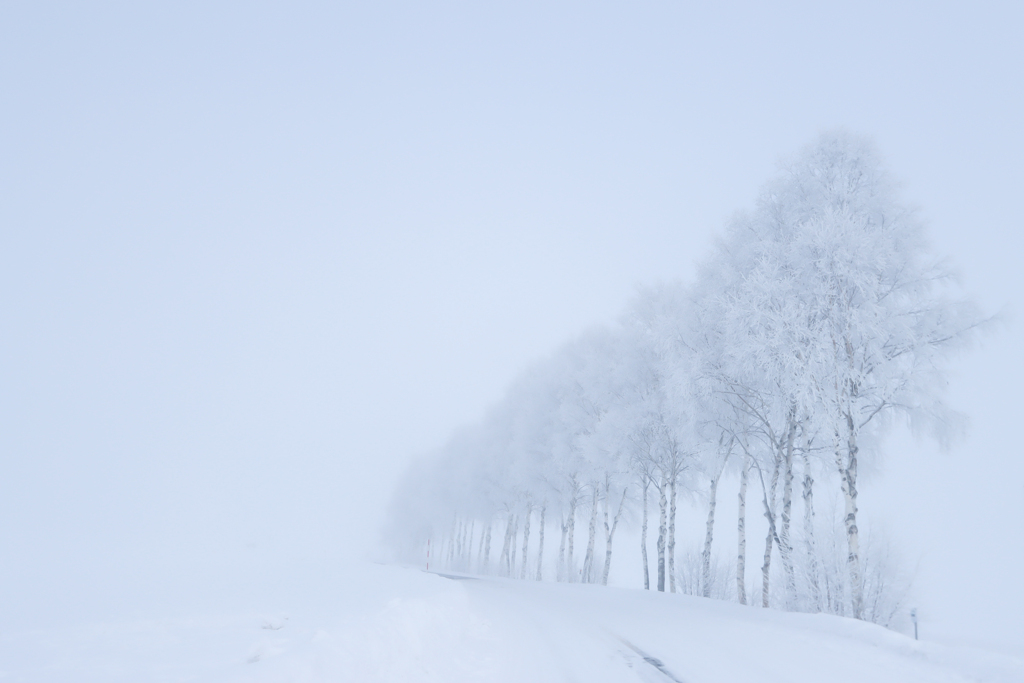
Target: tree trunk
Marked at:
610, 531
785, 548
503, 560
709, 533
451, 543
512, 554
741, 532
480, 550
526, 541
570, 569
487, 548
607, 528
460, 532
560, 570
849, 482
766, 568
540, 551
705, 558
769, 512
812, 557
643, 540
672, 537
662, 532
588, 559
464, 550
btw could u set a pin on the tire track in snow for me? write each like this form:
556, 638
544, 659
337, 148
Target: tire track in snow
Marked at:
655, 670
653, 661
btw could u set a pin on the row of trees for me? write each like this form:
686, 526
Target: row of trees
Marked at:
818, 321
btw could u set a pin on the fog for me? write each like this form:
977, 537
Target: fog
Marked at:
254, 260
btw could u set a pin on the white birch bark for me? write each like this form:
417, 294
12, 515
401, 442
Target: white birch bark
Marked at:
741, 551
503, 560
812, 554
643, 540
457, 546
526, 541
570, 568
480, 550
769, 513
540, 550
710, 529
465, 542
561, 571
849, 483
672, 537
785, 548
588, 558
487, 548
450, 558
609, 531
662, 532
766, 569
705, 558
512, 553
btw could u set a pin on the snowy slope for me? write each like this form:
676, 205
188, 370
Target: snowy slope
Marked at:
392, 624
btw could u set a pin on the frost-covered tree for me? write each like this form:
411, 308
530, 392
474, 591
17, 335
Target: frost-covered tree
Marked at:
819, 319
658, 413
586, 389
844, 307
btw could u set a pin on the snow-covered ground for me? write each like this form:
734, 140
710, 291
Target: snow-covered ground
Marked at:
384, 623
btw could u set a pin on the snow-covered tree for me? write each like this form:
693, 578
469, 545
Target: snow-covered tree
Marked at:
836, 301
819, 319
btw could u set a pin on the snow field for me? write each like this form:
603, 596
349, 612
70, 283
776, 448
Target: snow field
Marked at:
383, 623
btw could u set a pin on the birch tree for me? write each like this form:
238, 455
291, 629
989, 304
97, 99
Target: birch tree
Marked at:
847, 306
819, 320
